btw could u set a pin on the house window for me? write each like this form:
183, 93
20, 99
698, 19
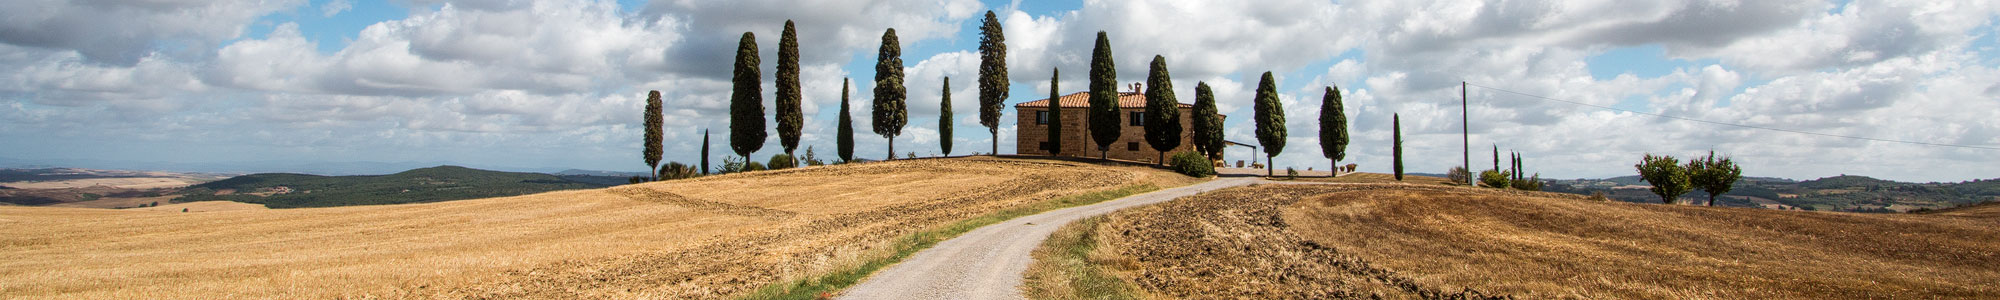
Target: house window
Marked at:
1131, 146
1045, 146
1042, 117
1138, 118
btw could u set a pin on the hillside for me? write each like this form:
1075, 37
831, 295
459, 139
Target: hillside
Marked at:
1847, 193
443, 183
1406, 241
704, 238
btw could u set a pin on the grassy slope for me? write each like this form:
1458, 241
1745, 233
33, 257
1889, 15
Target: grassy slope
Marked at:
414, 186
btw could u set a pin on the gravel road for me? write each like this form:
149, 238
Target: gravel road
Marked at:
988, 263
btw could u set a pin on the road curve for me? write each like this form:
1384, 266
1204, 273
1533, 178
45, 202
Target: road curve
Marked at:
989, 262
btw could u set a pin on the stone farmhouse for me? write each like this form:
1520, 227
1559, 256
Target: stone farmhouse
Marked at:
1031, 130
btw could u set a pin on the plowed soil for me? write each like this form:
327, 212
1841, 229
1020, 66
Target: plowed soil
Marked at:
710, 237
1418, 241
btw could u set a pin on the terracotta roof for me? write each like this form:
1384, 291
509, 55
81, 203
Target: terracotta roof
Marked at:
1082, 99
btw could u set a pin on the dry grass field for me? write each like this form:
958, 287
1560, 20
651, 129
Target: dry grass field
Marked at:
1428, 241
710, 237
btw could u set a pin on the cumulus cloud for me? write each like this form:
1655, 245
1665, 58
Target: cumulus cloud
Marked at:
123, 32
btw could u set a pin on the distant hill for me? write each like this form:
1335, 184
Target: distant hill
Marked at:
443, 183
1838, 193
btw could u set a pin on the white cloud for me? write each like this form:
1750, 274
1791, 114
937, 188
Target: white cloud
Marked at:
335, 7
123, 32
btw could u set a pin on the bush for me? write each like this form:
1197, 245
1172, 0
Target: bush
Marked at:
1191, 164
1599, 196
753, 166
812, 160
1532, 184
1291, 173
781, 161
1494, 178
1459, 175
731, 164
677, 170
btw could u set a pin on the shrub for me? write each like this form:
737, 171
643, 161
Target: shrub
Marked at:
1494, 178
1191, 164
1291, 173
781, 161
635, 179
812, 160
753, 166
1459, 175
1599, 196
1531, 184
677, 170
732, 164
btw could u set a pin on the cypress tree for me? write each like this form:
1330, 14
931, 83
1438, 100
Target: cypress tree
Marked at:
1496, 159
845, 135
1207, 122
992, 76
746, 101
1055, 113
1270, 122
890, 114
1397, 125
790, 119
704, 152
1163, 110
944, 118
653, 135
1103, 116
1333, 128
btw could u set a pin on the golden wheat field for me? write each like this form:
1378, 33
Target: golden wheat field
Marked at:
1418, 241
709, 237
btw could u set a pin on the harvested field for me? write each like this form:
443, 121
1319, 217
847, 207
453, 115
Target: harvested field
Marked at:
1420, 241
123, 183
710, 237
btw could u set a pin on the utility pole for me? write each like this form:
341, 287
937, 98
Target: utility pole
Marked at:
1465, 132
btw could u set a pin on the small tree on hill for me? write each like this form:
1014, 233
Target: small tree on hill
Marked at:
1207, 123
890, 114
1104, 127
704, 152
1396, 122
746, 100
1332, 129
1055, 113
844, 138
992, 76
654, 138
944, 118
790, 119
1163, 110
1270, 122
1713, 176
1665, 173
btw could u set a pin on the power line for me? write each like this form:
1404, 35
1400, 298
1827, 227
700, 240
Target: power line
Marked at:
1731, 124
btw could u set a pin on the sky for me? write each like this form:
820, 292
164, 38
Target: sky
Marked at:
559, 84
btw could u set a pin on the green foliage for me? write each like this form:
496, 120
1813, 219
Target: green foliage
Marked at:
1191, 164
677, 170
781, 161
1332, 127
704, 152
944, 118
1495, 178
1270, 119
1526, 184
790, 119
1396, 122
1163, 110
1055, 113
812, 160
1293, 173
433, 184
890, 114
754, 166
1712, 175
993, 82
1207, 122
1104, 116
746, 100
732, 164
844, 143
1459, 175
654, 138
1665, 173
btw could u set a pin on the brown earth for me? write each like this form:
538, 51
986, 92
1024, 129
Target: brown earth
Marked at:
1427, 241
709, 237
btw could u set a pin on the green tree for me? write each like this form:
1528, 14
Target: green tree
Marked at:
944, 118
790, 119
890, 113
1104, 127
1055, 113
1668, 177
704, 152
746, 101
1163, 110
1713, 176
1207, 122
1332, 128
1396, 123
844, 142
1270, 122
992, 76
654, 138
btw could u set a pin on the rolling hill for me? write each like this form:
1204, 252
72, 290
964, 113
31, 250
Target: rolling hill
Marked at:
442, 183
1847, 193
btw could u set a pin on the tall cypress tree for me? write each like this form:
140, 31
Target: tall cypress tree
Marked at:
790, 119
654, 137
1055, 113
1104, 127
704, 152
1163, 110
1270, 122
1207, 122
1333, 128
746, 101
845, 135
890, 114
1396, 121
944, 118
992, 76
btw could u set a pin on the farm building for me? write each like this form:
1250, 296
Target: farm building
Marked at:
1031, 132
